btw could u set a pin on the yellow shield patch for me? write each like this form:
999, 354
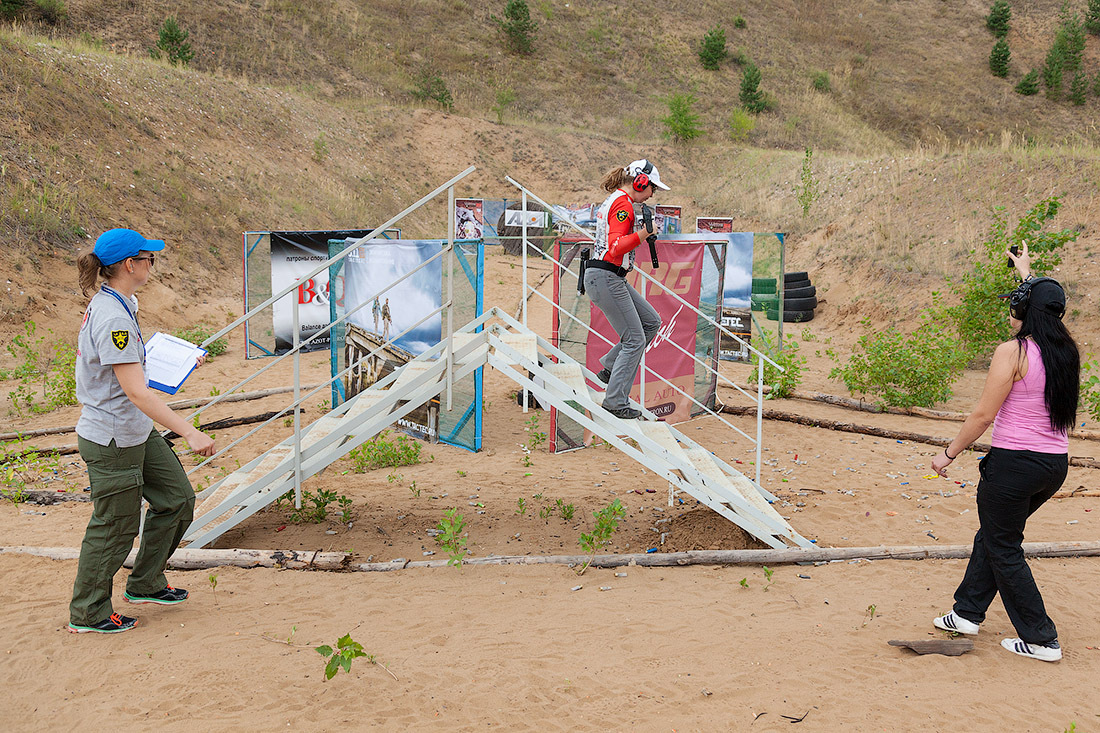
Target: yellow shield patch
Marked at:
621, 215
120, 339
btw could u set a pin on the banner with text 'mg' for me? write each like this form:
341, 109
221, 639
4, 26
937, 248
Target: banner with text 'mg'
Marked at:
681, 272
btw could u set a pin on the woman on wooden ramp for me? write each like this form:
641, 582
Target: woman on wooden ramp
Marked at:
634, 320
127, 458
1030, 397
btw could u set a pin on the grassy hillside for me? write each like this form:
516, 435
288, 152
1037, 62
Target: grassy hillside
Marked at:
301, 115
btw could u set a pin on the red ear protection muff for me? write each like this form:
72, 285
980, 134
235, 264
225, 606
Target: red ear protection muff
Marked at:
1020, 298
642, 179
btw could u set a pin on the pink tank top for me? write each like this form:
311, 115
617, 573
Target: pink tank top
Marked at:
1023, 422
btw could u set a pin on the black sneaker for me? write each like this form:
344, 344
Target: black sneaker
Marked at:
165, 597
604, 375
626, 413
116, 624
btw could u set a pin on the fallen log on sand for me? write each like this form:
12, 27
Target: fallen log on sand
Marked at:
187, 559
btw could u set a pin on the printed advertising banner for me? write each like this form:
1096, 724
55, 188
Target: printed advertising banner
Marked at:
372, 267
736, 294
681, 272
469, 219
293, 254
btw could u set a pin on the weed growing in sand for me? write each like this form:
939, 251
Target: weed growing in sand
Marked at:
213, 578
768, 573
744, 582
450, 536
22, 466
782, 383
870, 614
415, 491
200, 333
41, 371
565, 511
346, 650
1090, 386
345, 508
607, 521
378, 452
521, 506
315, 506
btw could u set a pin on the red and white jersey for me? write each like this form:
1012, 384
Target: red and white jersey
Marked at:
615, 237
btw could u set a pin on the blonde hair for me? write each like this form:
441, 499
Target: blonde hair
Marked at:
90, 271
616, 178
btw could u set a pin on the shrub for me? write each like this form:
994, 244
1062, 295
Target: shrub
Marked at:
915, 370
1000, 14
54, 11
808, 189
712, 51
378, 452
1079, 88
820, 81
9, 9
740, 57
320, 148
741, 124
980, 317
1053, 67
173, 43
505, 97
998, 58
1092, 17
752, 98
739, 23
430, 86
1090, 387
782, 383
682, 123
1029, 84
199, 333
1071, 36
518, 27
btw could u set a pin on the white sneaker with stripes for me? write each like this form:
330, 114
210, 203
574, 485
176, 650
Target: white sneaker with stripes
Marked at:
1045, 652
956, 624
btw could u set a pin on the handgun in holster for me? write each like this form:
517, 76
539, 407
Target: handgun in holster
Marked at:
585, 254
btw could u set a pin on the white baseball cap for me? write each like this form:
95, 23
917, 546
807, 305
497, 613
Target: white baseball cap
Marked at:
644, 166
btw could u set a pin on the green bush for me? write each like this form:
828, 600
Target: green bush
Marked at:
10, 9
682, 123
54, 11
378, 452
808, 188
820, 81
1071, 37
752, 98
1000, 15
173, 43
1090, 387
40, 369
712, 51
1092, 17
1029, 84
1079, 88
998, 58
739, 23
981, 318
518, 27
505, 97
782, 383
740, 57
1053, 68
431, 87
741, 124
899, 370
199, 333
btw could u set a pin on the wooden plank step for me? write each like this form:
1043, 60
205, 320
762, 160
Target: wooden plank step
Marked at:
704, 462
411, 371
570, 373
748, 489
525, 343
463, 339
241, 478
363, 402
661, 434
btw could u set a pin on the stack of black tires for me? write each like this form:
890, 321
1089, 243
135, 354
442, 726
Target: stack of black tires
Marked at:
799, 297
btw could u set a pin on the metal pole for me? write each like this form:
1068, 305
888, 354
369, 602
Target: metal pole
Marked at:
523, 289
759, 416
297, 406
450, 292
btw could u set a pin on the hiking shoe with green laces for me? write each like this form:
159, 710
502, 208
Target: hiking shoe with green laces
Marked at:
166, 597
115, 624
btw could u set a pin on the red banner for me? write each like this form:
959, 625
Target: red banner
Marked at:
681, 273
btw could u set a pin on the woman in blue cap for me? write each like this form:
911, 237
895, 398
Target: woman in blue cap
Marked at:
127, 458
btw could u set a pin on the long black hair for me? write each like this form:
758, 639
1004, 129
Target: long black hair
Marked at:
1061, 361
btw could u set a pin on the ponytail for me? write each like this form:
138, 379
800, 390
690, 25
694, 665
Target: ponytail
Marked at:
616, 178
90, 271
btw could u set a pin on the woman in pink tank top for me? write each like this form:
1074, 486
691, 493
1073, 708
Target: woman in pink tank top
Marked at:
1030, 397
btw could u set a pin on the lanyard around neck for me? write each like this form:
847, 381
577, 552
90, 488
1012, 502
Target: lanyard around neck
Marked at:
125, 306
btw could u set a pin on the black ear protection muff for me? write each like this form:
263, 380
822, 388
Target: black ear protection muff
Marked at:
642, 179
1020, 298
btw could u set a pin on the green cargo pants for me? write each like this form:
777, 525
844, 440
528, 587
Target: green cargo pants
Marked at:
120, 478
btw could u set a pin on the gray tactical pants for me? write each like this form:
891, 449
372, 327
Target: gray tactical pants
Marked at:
636, 322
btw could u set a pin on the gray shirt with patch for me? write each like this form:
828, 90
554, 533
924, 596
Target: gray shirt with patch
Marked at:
109, 335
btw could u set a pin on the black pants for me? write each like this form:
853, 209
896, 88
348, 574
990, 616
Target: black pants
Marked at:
1014, 483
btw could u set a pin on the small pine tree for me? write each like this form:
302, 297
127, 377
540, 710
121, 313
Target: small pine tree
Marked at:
739, 23
1096, 85
1079, 88
712, 51
682, 123
173, 43
518, 27
1000, 13
1071, 36
752, 99
1053, 68
998, 58
1029, 84
1092, 17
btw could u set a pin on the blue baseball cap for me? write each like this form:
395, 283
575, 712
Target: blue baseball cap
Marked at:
115, 245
